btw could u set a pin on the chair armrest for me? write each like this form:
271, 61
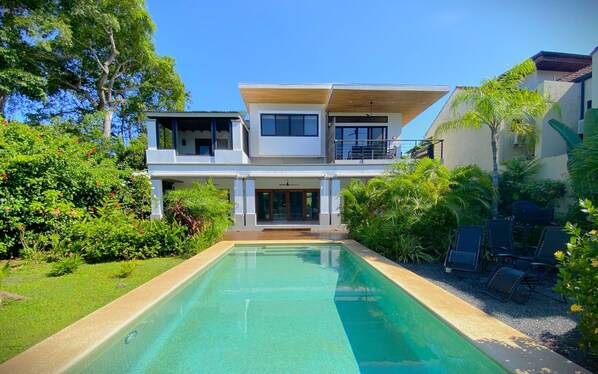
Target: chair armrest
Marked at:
542, 265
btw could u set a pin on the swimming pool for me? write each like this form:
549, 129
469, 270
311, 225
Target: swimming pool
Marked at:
289, 309
132, 318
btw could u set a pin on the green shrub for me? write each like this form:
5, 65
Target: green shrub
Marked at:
204, 209
517, 183
410, 212
126, 268
65, 265
50, 176
113, 232
579, 275
583, 168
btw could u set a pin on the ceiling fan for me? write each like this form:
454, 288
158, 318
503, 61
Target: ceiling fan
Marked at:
288, 184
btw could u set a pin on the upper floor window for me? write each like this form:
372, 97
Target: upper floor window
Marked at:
289, 124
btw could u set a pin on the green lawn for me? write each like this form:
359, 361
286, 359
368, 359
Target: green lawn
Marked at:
55, 302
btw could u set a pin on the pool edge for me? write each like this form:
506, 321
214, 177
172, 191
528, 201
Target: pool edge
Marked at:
513, 350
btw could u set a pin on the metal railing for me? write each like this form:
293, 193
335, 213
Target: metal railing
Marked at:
370, 149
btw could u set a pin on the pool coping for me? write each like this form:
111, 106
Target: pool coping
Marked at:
513, 350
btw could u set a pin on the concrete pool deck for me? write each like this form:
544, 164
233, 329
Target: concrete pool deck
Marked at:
513, 350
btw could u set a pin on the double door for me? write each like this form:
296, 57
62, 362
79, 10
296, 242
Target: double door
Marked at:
287, 205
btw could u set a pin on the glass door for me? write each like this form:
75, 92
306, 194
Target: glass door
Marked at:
279, 205
295, 205
264, 209
312, 206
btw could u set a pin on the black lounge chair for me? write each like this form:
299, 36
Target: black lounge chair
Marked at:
520, 278
466, 254
499, 234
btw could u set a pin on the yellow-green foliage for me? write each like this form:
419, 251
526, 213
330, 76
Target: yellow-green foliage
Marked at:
579, 274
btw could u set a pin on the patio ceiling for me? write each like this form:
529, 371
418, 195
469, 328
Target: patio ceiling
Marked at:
410, 100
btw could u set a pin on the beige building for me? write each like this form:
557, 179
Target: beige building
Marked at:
567, 79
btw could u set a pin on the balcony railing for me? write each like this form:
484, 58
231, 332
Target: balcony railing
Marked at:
366, 149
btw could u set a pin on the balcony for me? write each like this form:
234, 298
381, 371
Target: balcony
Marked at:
385, 151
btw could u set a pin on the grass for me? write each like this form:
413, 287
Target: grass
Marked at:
55, 302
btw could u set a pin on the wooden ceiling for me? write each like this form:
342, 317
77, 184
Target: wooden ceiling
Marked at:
408, 100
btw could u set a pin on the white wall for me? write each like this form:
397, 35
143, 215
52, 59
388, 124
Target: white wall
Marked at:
286, 146
567, 95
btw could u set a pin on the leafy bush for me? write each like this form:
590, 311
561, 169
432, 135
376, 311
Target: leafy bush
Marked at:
204, 209
517, 183
583, 168
579, 275
410, 212
50, 176
112, 232
65, 265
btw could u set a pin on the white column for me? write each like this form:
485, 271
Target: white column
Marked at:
250, 216
324, 203
157, 201
236, 134
152, 133
335, 204
239, 200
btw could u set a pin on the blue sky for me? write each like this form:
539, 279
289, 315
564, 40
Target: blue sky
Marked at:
217, 44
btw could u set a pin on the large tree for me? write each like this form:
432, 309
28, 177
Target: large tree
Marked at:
77, 57
27, 30
502, 105
110, 61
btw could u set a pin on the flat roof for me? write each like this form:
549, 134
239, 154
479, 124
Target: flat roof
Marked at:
410, 100
194, 114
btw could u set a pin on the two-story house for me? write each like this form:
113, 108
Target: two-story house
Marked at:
302, 144
567, 79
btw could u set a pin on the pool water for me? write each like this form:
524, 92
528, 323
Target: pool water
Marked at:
303, 309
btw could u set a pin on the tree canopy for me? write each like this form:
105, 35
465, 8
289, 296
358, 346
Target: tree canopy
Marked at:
501, 104
91, 56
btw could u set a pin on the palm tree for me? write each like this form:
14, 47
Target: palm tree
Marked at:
501, 104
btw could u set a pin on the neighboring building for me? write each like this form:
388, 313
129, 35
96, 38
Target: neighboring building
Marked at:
287, 165
567, 79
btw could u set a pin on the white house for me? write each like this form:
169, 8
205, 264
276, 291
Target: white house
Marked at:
301, 145
567, 79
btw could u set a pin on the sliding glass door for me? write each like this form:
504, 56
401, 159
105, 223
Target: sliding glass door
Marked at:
287, 205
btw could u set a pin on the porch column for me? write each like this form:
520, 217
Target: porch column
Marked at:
157, 201
238, 199
324, 203
250, 216
152, 133
335, 204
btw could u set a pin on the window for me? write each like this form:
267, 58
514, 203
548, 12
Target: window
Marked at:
289, 124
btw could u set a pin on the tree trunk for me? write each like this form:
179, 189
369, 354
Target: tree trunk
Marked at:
108, 123
3, 101
493, 143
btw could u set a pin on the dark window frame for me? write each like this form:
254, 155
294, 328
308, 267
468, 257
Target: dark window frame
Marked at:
289, 133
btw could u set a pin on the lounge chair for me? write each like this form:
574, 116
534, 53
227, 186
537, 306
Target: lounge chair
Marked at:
520, 278
466, 254
499, 233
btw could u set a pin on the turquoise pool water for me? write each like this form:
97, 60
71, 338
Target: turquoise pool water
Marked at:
310, 309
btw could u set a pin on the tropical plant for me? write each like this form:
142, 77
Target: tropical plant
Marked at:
583, 168
126, 268
411, 201
203, 209
65, 265
579, 274
517, 183
500, 104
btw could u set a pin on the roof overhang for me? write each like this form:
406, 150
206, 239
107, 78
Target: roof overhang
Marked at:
557, 61
192, 114
410, 100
